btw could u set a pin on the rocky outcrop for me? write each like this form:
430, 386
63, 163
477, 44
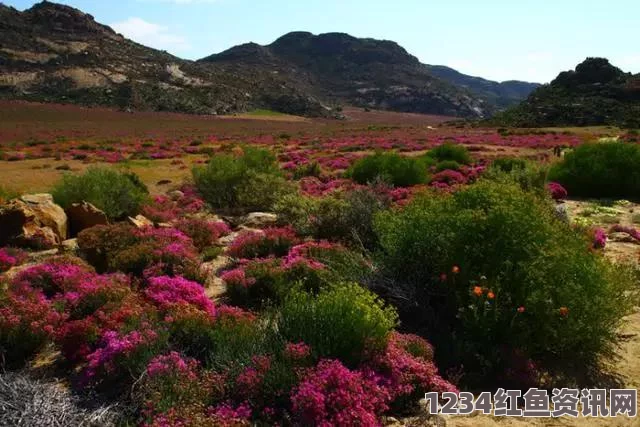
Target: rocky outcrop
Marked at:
84, 215
32, 221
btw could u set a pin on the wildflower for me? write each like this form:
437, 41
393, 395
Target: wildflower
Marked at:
491, 295
564, 311
455, 269
521, 309
443, 277
477, 291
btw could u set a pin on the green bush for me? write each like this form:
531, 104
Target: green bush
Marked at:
449, 151
448, 165
310, 169
251, 180
343, 322
505, 241
530, 176
606, 169
509, 164
346, 217
393, 168
117, 194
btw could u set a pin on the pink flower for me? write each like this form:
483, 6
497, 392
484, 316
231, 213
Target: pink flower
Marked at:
167, 292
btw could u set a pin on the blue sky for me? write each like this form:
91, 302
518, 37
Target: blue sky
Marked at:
498, 39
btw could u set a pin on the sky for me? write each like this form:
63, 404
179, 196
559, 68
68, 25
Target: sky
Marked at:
531, 40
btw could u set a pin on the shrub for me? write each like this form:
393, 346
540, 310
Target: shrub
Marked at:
509, 164
450, 152
393, 168
348, 322
168, 292
264, 243
142, 252
448, 165
27, 323
250, 180
528, 175
507, 244
331, 394
346, 217
558, 192
203, 233
10, 257
309, 169
117, 194
606, 169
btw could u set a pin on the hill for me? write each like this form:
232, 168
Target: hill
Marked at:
371, 73
55, 53
595, 93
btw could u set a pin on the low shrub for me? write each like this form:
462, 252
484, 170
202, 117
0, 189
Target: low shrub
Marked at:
530, 176
491, 266
604, 169
117, 194
331, 394
27, 322
261, 244
11, 257
249, 180
6, 194
450, 152
142, 252
348, 322
447, 165
345, 217
203, 233
393, 168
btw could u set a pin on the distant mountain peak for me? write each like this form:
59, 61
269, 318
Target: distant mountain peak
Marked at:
595, 93
55, 17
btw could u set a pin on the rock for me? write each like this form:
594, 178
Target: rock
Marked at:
70, 245
621, 237
32, 221
259, 219
562, 213
175, 195
141, 221
84, 215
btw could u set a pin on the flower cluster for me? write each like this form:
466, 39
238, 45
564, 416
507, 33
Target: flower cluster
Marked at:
264, 243
166, 292
599, 238
331, 394
10, 257
558, 192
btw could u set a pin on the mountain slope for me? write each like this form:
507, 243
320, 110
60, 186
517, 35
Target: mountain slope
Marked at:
502, 94
595, 93
56, 53
363, 72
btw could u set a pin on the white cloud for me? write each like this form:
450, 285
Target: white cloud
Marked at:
152, 35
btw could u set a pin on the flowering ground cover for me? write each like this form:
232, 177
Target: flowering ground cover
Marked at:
338, 309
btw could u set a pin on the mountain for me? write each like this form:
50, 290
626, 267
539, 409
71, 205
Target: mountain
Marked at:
371, 73
501, 94
55, 53
595, 93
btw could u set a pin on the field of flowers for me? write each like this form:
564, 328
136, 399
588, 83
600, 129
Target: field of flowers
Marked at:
239, 272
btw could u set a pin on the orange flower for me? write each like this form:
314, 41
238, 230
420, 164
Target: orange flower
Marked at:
491, 295
564, 311
455, 269
521, 309
478, 291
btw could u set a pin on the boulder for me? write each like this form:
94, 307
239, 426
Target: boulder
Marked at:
175, 195
70, 245
140, 221
32, 221
84, 215
259, 219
